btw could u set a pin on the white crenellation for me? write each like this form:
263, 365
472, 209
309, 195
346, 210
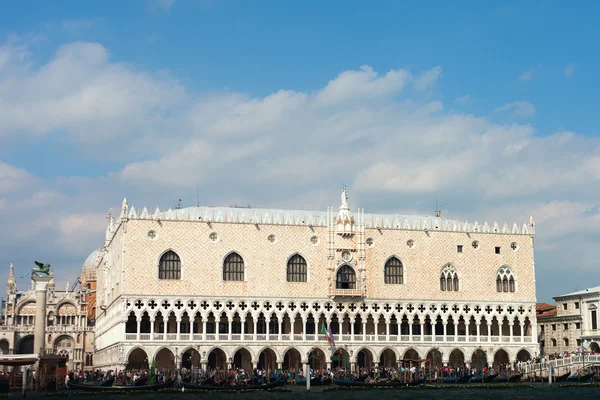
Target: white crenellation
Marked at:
316, 218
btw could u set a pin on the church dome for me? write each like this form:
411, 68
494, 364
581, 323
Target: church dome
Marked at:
90, 261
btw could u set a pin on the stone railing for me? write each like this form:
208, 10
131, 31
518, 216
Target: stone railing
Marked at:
310, 337
579, 361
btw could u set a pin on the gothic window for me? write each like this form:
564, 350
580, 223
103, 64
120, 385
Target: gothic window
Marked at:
296, 269
449, 279
505, 280
233, 268
346, 278
393, 271
169, 266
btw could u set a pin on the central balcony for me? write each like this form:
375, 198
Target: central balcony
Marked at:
347, 293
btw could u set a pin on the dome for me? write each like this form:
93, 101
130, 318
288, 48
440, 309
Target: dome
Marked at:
90, 261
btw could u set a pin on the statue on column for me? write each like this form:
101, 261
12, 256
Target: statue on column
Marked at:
41, 270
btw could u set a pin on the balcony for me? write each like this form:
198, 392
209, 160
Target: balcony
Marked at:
347, 293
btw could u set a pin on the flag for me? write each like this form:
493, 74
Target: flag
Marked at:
330, 336
327, 332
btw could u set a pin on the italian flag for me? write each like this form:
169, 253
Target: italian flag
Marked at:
327, 332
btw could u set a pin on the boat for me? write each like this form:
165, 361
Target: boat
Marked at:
353, 383
483, 379
110, 389
542, 379
501, 379
581, 378
563, 377
451, 380
464, 379
515, 378
314, 381
213, 387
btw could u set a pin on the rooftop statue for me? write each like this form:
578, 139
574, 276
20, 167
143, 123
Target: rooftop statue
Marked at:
344, 197
41, 270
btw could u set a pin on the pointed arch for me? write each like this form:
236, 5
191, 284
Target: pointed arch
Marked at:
505, 280
449, 279
233, 267
393, 271
297, 268
169, 265
345, 277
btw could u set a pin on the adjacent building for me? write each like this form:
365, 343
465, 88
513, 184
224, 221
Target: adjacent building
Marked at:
70, 318
226, 286
572, 324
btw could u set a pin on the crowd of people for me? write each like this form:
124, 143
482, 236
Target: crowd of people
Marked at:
244, 377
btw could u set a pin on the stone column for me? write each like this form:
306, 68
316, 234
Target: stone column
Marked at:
41, 288
352, 330
304, 321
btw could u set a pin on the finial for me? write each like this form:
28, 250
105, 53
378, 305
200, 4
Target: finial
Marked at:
67, 287
11, 274
124, 201
531, 222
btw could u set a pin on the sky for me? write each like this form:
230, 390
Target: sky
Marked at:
489, 108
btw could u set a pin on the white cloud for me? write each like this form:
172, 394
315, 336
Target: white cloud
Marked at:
427, 79
467, 98
285, 149
570, 70
517, 109
163, 5
527, 75
360, 85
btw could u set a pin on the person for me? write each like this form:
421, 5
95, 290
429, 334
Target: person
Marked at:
67, 380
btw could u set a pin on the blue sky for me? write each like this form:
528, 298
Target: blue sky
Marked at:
490, 106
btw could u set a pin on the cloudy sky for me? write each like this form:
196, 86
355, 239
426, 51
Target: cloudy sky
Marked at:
489, 107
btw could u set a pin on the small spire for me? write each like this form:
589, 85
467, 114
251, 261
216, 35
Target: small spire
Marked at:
67, 286
531, 222
124, 201
11, 274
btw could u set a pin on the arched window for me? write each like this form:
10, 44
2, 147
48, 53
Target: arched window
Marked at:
296, 269
449, 279
169, 266
346, 278
505, 280
233, 268
393, 271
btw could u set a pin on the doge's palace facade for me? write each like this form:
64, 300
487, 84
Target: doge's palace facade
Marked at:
220, 286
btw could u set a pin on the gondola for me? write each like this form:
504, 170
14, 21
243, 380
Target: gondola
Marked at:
448, 381
314, 381
110, 389
353, 383
563, 377
464, 379
266, 386
581, 378
484, 379
515, 378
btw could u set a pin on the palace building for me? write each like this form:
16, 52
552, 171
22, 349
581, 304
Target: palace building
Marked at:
246, 287
70, 318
